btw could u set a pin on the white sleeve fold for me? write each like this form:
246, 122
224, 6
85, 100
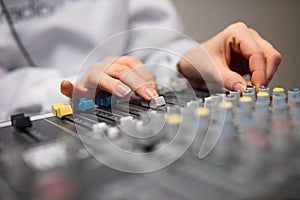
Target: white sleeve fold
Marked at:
159, 27
30, 89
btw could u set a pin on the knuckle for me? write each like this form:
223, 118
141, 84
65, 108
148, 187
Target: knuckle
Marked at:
93, 68
227, 78
241, 25
275, 56
259, 54
238, 26
236, 29
130, 59
278, 57
121, 70
254, 32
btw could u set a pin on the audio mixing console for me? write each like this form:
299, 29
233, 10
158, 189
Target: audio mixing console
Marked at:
182, 145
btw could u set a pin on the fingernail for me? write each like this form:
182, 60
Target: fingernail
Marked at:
239, 86
122, 90
257, 88
150, 92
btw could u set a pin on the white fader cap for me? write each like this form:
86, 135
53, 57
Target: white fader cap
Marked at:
154, 103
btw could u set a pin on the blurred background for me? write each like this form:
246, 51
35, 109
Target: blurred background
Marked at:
276, 20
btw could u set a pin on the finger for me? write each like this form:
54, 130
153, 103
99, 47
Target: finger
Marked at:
272, 57
74, 91
232, 80
147, 92
91, 78
241, 40
137, 66
115, 78
111, 67
120, 89
66, 88
128, 76
143, 88
114, 86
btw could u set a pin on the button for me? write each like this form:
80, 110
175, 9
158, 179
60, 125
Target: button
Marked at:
236, 93
99, 127
264, 89
279, 100
174, 119
263, 98
251, 88
60, 110
277, 90
113, 133
233, 99
249, 93
105, 99
84, 104
55, 108
202, 112
294, 98
154, 103
19, 121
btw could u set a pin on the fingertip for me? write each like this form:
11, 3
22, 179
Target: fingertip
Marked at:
66, 88
147, 92
259, 79
249, 83
151, 92
233, 80
121, 90
239, 86
66, 84
258, 69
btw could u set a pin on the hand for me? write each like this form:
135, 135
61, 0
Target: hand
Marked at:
118, 76
236, 51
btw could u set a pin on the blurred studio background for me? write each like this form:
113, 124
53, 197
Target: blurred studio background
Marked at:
276, 20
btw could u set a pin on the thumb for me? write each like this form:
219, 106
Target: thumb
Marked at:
233, 81
66, 88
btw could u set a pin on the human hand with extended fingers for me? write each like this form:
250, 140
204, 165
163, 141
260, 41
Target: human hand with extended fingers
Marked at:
236, 51
118, 76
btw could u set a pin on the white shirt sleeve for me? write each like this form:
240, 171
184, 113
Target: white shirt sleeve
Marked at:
156, 37
30, 90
